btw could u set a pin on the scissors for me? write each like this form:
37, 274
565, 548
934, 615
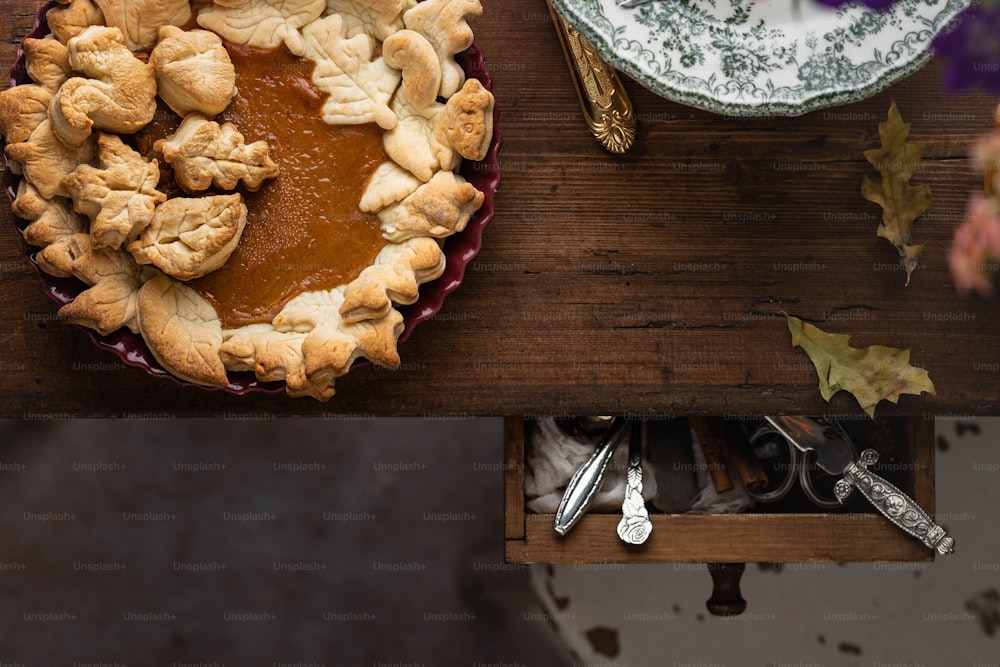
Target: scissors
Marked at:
773, 444
835, 456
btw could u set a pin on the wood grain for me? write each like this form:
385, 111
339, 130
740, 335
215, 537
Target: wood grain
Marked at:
721, 538
513, 477
650, 283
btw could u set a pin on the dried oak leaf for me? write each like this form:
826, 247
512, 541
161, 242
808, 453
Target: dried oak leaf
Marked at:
359, 85
871, 374
202, 152
901, 202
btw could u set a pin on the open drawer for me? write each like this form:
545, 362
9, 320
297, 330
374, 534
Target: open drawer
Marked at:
855, 535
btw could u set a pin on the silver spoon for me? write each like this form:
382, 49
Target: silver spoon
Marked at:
635, 527
587, 479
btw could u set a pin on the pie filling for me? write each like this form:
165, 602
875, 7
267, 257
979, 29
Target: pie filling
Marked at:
304, 231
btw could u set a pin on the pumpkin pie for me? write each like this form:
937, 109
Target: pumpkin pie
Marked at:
250, 185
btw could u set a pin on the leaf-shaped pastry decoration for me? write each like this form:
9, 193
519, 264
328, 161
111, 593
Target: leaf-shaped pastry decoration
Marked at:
265, 24
377, 18
107, 306
466, 123
435, 139
139, 20
358, 84
901, 202
44, 160
191, 237
332, 345
119, 195
394, 278
117, 92
411, 53
22, 109
68, 21
51, 219
91, 265
273, 356
331, 348
441, 207
871, 374
389, 184
193, 71
182, 331
203, 153
113, 281
444, 24
47, 62
56, 259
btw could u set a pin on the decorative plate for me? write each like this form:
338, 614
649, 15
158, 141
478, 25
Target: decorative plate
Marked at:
762, 57
459, 249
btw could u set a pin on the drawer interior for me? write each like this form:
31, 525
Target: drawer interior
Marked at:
790, 530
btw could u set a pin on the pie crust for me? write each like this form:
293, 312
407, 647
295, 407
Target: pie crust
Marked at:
97, 215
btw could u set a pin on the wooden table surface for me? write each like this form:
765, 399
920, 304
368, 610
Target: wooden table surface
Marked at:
648, 284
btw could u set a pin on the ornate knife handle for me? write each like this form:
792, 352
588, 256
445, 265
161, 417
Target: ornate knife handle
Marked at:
893, 503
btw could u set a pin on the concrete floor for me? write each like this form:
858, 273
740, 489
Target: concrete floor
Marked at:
260, 544
307, 542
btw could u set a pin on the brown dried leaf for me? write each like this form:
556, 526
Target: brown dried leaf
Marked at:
897, 162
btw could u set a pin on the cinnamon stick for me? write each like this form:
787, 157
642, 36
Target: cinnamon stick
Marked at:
740, 457
712, 440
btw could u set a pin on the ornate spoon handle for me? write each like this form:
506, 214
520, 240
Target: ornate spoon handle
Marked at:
634, 527
607, 108
587, 479
893, 503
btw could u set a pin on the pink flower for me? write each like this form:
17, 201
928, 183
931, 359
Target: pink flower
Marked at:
974, 256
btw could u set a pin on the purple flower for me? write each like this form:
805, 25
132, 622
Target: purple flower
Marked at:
871, 4
972, 50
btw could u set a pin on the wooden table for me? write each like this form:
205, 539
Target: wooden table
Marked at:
647, 284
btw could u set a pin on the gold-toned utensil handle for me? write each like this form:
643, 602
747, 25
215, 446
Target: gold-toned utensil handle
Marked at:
606, 106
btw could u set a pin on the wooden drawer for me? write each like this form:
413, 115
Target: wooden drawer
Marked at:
791, 536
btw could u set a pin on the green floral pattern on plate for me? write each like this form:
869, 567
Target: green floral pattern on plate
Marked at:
762, 57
